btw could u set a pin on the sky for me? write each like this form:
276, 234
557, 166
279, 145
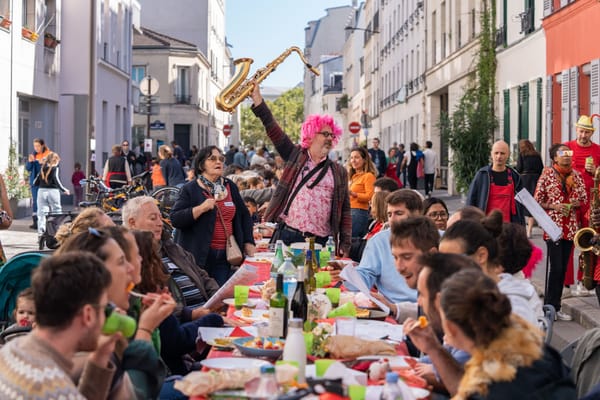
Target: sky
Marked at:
263, 29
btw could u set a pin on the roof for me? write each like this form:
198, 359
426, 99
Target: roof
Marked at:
150, 38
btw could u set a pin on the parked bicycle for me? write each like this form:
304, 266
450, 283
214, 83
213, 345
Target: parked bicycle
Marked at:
111, 200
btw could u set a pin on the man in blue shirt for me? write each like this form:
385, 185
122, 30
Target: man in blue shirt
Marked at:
378, 157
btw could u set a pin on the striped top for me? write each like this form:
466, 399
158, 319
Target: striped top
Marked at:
192, 296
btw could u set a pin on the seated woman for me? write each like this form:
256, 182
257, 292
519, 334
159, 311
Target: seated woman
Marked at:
140, 371
437, 211
508, 358
90, 217
478, 240
379, 214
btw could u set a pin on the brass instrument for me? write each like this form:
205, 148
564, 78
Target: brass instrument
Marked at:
239, 88
586, 240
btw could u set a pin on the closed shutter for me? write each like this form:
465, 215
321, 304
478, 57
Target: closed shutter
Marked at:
549, 90
547, 7
564, 2
538, 114
507, 115
524, 111
595, 91
565, 112
574, 95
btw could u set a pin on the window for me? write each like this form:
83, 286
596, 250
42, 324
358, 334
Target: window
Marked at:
50, 18
458, 34
473, 21
362, 66
29, 14
5, 8
182, 88
138, 72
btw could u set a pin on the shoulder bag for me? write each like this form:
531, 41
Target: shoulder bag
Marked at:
232, 250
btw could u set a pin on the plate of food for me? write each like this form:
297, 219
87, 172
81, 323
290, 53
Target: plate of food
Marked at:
222, 343
252, 315
369, 313
269, 347
250, 303
233, 363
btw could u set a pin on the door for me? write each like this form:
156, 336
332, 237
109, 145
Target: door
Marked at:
182, 136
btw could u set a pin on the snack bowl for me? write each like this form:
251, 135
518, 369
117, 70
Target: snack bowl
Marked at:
255, 346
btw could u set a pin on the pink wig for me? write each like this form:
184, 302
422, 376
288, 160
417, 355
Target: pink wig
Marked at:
313, 124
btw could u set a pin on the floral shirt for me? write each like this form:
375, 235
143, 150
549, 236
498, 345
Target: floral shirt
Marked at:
550, 190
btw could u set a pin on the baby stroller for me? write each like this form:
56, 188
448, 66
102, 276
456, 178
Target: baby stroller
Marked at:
53, 222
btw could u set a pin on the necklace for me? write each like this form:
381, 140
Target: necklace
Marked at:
217, 188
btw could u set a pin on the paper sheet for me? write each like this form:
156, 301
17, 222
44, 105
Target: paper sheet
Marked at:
351, 275
245, 275
539, 214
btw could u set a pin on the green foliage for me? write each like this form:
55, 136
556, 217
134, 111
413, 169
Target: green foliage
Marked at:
470, 129
288, 111
16, 178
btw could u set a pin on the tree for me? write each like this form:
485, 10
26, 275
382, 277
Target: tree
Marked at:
470, 129
288, 111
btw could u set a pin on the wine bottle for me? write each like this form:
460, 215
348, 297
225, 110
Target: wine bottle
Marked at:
315, 259
278, 311
278, 259
310, 281
299, 307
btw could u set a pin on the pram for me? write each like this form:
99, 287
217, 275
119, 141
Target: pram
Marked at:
53, 222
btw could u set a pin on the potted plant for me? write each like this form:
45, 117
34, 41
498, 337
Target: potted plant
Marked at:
16, 180
5, 22
29, 34
50, 41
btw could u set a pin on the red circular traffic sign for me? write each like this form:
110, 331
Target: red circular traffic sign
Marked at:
226, 130
354, 127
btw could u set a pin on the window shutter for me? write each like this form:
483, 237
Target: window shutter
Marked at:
538, 114
524, 111
507, 115
549, 90
564, 2
565, 112
574, 94
547, 7
595, 90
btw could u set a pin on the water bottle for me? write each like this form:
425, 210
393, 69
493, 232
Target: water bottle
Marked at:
267, 388
391, 391
330, 245
295, 347
278, 259
289, 271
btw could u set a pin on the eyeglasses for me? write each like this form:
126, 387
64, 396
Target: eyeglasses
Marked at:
564, 153
439, 214
216, 158
125, 145
326, 134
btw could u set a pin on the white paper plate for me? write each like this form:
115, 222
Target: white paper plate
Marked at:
257, 315
249, 302
233, 363
395, 361
374, 392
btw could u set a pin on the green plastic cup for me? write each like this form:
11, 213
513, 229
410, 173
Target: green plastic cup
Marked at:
321, 366
240, 293
346, 310
323, 278
357, 392
117, 322
308, 340
334, 295
324, 256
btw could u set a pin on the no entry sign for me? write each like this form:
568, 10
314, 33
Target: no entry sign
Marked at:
354, 127
226, 130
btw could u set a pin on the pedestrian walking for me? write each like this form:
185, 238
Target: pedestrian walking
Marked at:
50, 187
76, 179
116, 169
378, 157
33, 165
429, 167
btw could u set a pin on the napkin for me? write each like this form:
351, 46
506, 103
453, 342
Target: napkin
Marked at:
239, 332
345, 310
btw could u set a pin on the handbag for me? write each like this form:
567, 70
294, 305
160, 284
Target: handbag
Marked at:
232, 250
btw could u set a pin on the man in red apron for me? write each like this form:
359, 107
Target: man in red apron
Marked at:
495, 186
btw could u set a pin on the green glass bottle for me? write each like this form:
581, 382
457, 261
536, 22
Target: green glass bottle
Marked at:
315, 259
278, 311
309, 273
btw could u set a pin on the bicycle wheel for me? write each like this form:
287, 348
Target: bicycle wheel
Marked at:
166, 198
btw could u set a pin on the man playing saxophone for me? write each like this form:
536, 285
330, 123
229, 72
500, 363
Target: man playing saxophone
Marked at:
312, 196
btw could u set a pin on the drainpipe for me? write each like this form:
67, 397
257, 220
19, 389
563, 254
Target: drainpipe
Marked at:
10, 114
91, 91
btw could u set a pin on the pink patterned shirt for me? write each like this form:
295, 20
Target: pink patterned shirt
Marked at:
311, 208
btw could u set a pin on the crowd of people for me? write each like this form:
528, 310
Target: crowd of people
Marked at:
465, 272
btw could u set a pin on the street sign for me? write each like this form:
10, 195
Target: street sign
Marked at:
157, 125
149, 86
354, 127
226, 130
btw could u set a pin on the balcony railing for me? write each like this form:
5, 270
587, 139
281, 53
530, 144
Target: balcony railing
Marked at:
183, 99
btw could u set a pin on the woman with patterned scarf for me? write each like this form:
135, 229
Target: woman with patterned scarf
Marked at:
208, 210
560, 190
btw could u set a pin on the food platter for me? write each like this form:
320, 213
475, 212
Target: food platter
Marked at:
233, 363
252, 315
243, 345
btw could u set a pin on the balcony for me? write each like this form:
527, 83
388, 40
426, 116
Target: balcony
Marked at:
183, 99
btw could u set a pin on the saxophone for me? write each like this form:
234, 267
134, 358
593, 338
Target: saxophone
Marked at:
239, 87
586, 240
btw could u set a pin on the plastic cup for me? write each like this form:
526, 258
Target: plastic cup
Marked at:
324, 256
334, 295
240, 294
321, 366
308, 340
345, 326
323, 278
357, 392
346, 310
117, 322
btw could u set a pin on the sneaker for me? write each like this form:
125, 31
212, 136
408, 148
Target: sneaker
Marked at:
566, 293
563, 316
580, 291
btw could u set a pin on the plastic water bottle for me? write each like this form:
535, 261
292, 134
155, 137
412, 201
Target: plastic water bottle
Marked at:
295, 347
391, 391
278, 259
289, 271
268, 388
330, 245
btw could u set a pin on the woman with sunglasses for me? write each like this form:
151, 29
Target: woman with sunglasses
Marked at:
560, 191
361, 179
208, 211
140, 371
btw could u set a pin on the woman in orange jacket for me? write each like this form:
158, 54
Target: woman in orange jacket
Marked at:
361, 180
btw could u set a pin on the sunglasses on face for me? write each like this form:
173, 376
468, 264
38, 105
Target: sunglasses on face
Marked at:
326, 134
564, 153
216, 158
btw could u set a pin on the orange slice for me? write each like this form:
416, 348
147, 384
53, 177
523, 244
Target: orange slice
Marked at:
423, 322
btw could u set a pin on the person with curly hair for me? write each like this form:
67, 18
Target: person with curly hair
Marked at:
362, 175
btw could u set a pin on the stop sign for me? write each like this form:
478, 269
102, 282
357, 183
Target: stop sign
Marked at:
226, 130
354, 127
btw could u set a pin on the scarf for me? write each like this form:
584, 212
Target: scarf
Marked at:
566, 178
216, 188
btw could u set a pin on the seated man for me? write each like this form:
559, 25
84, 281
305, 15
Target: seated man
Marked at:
70, 295
194, 283
442, 367
377, 264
